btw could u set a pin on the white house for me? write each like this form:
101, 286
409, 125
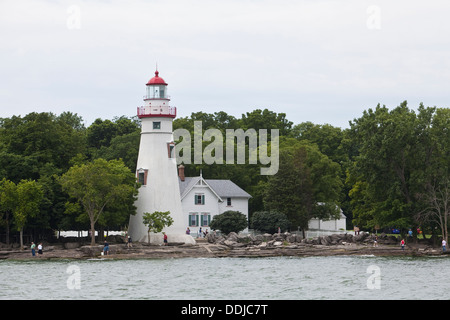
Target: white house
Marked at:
329, 225
202, 199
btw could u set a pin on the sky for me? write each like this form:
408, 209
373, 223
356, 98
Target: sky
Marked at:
314, 60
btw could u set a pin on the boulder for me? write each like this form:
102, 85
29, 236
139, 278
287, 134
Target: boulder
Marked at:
72, 245
232, 236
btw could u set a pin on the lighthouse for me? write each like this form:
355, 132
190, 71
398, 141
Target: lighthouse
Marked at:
156, 167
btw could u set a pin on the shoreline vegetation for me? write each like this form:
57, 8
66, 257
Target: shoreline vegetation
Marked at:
233, 245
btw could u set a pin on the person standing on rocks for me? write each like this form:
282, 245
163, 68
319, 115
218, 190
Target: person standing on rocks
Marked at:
106, 248
402, 243
129, 245
444, 245
40, 248
33, 249
165, 239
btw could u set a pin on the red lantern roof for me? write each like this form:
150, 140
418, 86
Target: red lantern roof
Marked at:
156, 79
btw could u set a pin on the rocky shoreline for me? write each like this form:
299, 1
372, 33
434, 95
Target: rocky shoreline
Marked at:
234, 245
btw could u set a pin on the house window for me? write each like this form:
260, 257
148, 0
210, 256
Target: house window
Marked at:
156, 125
206, 219
199, 198
228, 202
193, 220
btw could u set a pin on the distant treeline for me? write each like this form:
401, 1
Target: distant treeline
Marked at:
389, 169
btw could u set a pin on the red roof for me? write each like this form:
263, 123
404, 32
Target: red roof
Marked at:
156, 79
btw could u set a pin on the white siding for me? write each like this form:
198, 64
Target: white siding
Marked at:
212, 206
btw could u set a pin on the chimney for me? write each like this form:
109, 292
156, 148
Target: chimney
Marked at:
181, 172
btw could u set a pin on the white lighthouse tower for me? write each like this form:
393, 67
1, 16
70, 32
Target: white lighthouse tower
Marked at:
156, 167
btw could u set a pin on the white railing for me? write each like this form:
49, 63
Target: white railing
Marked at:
171, 112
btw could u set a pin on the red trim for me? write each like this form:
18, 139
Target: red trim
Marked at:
156, 80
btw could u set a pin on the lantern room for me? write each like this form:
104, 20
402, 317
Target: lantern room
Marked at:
156, 88
156, 100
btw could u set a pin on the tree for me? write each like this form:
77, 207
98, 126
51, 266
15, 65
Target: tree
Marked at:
269, 221
157, 221
229, 221
401, 168
98, 184
29, 198
435, 196
8, 200
307, 184
44, 137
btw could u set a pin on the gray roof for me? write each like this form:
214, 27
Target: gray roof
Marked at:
223, 188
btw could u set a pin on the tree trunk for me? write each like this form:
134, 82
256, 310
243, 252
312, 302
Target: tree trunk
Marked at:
92, 234
21, 238
7, 230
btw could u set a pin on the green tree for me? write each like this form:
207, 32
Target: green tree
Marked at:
307, 184
101, 132
400, 176
8, 201
44, 137
125, 147
229, 221
99, 184
435, 195
327, 137
157, 221
29, 197
265, 119
269, 221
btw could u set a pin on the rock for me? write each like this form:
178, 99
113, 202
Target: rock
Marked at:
278, 243
71, 245
232, 236
211, 237
229, 243
267, 237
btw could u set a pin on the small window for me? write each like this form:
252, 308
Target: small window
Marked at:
171, 149
156, 125
142, 176
206, 218
199, 198
229, 202
193, 220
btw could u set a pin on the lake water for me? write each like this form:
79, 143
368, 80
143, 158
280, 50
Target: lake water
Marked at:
284, 278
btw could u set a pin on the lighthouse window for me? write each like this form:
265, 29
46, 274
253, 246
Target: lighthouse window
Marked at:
156, 125
171, 149
142, 176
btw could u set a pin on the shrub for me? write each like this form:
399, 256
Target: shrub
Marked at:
229, 221
269, 221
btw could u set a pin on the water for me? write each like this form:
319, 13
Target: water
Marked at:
278, 278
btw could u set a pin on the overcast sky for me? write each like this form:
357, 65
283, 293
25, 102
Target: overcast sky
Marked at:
315, 60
